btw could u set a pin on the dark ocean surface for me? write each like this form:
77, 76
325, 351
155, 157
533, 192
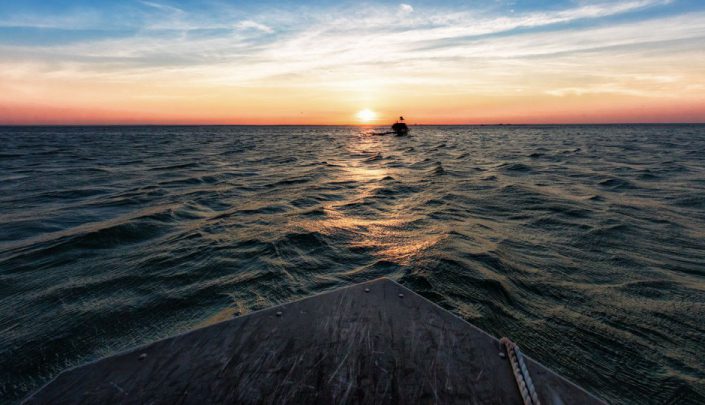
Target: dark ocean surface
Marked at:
584, 244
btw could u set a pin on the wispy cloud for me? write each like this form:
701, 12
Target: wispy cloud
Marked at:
163, 7
253, 25
371, 38
406, 8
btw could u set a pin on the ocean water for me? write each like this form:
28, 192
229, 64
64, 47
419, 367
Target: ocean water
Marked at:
584, 244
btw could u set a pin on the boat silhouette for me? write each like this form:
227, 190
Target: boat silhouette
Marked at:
400, 128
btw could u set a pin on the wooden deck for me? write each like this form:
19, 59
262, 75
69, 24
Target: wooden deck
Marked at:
360, 344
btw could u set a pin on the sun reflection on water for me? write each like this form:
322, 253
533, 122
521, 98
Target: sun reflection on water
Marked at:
370, 219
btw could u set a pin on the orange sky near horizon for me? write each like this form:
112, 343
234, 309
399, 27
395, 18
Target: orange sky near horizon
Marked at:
285, 110
48, 115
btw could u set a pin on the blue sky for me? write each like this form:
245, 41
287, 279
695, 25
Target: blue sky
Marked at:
636, 50
45, 23
73, 20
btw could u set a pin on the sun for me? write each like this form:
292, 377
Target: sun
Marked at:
366, 115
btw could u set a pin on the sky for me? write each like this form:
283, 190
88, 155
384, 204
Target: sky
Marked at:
323, 62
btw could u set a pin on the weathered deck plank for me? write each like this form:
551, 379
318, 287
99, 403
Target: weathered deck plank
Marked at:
345, 346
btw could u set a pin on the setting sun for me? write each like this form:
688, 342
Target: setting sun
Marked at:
366, 115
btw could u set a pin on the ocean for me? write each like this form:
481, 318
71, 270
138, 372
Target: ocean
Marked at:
583, 244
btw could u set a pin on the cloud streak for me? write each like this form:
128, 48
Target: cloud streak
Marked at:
252, 25
406, 8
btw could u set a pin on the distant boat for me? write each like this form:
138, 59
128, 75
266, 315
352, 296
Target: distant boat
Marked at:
400, 128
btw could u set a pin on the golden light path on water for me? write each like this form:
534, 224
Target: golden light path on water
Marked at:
388, 233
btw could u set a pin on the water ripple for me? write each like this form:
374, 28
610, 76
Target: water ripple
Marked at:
585, 244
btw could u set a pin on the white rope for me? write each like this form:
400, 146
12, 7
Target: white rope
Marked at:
521, 373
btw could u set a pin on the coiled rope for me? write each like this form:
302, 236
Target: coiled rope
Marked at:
521, 373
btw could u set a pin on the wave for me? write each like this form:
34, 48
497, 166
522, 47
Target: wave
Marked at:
515, 167
616, 184
439, 170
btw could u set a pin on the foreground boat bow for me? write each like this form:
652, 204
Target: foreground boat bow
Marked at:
375, 342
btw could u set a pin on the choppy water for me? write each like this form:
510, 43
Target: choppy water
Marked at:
585, 244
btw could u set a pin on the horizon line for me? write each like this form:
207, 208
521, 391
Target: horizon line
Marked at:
4, 125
